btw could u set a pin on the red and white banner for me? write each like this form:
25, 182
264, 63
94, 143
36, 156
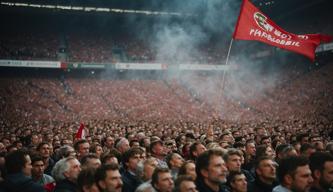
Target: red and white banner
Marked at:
81, 134
252, 24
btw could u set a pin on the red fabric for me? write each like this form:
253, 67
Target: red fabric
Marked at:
80, 133
252, 24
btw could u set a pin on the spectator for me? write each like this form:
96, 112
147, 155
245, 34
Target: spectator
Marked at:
174, 161
162, 180
321, 165
211, 171
265, 180
196, 149
90, 161
188, 168
66, 172
185, 184
294, 174
82, 148
158, 151
130, 162
18, 165
108, 178
237, 181
37, 171
44, 150
86, 181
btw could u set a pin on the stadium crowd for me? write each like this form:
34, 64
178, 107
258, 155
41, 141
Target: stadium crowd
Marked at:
160, 135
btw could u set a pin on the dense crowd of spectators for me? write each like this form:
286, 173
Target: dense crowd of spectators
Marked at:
91, 47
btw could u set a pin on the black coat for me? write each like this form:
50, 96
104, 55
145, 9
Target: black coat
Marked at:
19, 182
130, 182
65, 186
202, 187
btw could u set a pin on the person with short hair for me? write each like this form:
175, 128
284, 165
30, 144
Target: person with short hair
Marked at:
211, 171
90, 161
162, 180
86, 181
196, 149
130, 162
174, 161
37, 171
66, 172
185, 183
18, 166
108, 178
157, 150
321, 165
237, 181
265, 169
294, 174
82, 148
44, 149
188, 168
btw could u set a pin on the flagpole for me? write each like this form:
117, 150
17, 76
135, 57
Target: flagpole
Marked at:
223, 77
226, 64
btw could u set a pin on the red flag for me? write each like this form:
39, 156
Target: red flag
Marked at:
80, 134
252, 24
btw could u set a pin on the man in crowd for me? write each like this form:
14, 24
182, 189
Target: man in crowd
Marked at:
66, 172
158, 151
185, 184
174, 161
265, 169
162, 180
237, 181
37, 171
44, 151
131, 159
321, 165
82, 148
196, 149
108, 178
211, 172
294, 175
18, 165
90, 161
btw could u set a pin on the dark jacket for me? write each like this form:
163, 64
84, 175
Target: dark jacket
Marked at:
65, 186
131, 182
259, 186
202, 187
19, 182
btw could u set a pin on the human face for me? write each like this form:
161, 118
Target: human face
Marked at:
112, 182
239, 184
251, 149
190, 170
270, 152
132, 163
302, 179
27, 166
188, 186
267, 170
216, 171
92, 188
73, 171
83, 149
177, 161
38, 169
165, 182
326, 179
99, 151
200, 149
234, 163
45, 151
